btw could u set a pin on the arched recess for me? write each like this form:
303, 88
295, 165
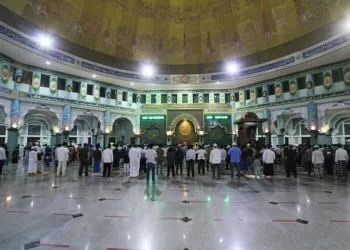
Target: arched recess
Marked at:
185, 116
339, 122
293, 125
84, 126
132, 119
37, 126
122, 131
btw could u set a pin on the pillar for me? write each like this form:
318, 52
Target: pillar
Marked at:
324, 139
280, 139
94, 140
169, 140
313, 137
59, 138
106, 139
53, 140
201, 140
137, 141
65, 136
12, 140
267, 139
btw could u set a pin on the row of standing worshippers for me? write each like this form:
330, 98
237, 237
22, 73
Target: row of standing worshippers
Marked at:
318, 159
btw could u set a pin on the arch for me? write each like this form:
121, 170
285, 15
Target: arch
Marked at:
332, 120
185, 116
297, 116
28, 109
86, 116
133, 121
122, 130
97, 114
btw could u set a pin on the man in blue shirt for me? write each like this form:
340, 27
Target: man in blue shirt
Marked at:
235, 158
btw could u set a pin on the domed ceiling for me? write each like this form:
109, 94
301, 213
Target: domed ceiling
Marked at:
180, 32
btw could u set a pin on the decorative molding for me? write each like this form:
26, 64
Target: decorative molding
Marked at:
176, 79
295, 58
184, 116
19, 38
187, 106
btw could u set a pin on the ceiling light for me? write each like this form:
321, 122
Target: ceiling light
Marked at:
147, 70
48, 63
217, 82
232, 67
94, 76
132, 84
45, 41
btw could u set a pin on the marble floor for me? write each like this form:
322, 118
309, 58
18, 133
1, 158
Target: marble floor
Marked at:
93, 213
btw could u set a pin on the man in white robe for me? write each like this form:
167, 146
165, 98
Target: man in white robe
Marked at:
33, 158
135, 157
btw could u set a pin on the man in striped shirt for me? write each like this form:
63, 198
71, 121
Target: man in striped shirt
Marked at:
160, 159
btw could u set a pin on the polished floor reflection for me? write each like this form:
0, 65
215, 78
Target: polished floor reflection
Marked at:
94, 213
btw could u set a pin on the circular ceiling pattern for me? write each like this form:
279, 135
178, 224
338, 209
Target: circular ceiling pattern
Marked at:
179, 32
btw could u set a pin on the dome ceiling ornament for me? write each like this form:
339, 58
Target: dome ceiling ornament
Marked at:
180, 33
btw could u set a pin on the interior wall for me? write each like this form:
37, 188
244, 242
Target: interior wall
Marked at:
122, 131
153, 131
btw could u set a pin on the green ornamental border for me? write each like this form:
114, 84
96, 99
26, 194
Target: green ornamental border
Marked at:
5, 68
327, 74
53, 85
295, 89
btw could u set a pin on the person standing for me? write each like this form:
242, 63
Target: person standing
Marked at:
48, 156
257, 167
62, 157
308, 160
328, 159
318, 160
151, 161
171, 161
235, 159
207, 155
2, 157
179, 158
201, 160
268, 160
249, 158
223, 157
40, 153
33, 159
341, 159
290, 157
15, 155
135, 156
190, 158
84, 160
107, 159
116, 158
160, 159
278, 152
215, 160
21, 152
143, 160
122, 151
127, 162
97, 155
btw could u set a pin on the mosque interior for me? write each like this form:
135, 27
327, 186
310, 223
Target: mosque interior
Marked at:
169, 72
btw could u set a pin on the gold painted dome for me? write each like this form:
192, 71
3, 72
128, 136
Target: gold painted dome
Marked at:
179, 33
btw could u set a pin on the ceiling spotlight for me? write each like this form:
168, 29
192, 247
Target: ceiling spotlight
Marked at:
132, 84
232, 67
45, 41
147, 70
48, 63
94, 76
